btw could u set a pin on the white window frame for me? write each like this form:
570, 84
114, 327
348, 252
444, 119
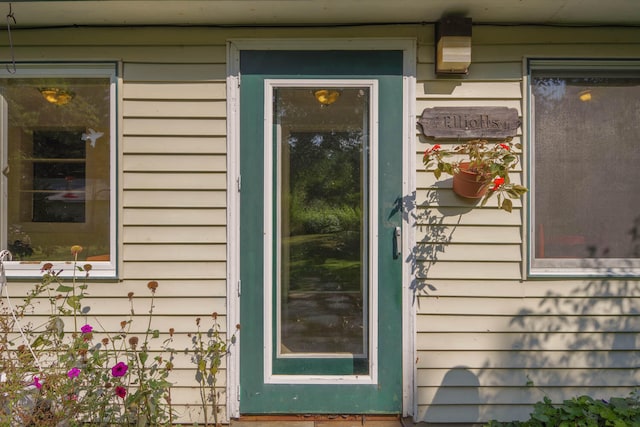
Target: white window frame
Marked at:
271, 259
570, 267
32, 269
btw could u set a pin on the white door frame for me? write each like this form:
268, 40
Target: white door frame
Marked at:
234, 47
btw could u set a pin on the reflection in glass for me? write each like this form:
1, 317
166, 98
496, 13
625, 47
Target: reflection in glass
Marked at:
586, 133
322, 221
59, 169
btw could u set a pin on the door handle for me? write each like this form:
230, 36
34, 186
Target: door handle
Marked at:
397, 242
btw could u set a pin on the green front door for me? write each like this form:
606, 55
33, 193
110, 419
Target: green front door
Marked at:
321, 187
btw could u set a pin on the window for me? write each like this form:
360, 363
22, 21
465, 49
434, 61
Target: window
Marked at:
57, 125
585, 152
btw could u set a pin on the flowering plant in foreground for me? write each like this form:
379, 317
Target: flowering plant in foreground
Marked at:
491, 162
209, 350
56, 369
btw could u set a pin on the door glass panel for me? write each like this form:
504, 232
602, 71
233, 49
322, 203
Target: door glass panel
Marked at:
322, 220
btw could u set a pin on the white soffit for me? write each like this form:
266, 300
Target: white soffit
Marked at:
318, 12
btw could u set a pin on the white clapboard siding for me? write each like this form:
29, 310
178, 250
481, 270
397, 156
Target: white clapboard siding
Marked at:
429, 252
427, 214
172, 163
551, 378
473, 102
215, 91
175, 199
468, 90
175, 270
529, 360
204, 145
164, 72
173, 181
591, 292
173, 252
494, 322
174, 216
167, 288
174, 126
99, 53
468, 234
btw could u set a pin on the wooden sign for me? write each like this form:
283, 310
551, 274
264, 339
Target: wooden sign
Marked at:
469, 122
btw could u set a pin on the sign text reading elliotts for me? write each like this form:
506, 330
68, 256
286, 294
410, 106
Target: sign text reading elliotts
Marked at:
469, 122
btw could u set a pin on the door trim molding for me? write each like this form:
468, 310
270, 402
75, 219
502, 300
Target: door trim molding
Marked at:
372, 246
234, 288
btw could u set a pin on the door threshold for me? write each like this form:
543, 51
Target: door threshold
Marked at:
317, 421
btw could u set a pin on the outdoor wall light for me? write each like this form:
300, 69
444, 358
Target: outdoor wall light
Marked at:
453, 45
326, 96
56, 95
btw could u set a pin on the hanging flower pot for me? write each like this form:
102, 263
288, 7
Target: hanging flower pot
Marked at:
469, 184
492, 162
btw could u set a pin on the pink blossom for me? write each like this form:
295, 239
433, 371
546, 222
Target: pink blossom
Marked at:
73, 373
86, 329
119, 370
37, 383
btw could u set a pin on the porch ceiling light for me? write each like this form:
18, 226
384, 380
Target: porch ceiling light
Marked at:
585, 95
453, 45
326, 96
56, 95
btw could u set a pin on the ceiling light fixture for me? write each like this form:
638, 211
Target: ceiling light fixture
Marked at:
326, 96
56, 95
585, 95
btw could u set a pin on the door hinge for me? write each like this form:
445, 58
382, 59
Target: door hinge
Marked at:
239, 287
239, 181
238, 392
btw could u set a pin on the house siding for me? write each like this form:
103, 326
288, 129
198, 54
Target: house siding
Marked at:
489, 342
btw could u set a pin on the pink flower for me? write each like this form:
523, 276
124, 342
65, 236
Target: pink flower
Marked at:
37, 383
73, 373
497, 183
119, 370
121, 391
86, 329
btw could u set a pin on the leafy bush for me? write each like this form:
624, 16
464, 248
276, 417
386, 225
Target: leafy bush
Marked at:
582, 411
324, 219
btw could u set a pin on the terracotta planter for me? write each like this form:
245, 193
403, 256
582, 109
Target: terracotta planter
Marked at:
466, 184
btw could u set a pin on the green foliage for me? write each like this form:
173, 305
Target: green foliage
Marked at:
582, 411
325, 219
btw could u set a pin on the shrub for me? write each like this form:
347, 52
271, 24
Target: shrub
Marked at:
582, 411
